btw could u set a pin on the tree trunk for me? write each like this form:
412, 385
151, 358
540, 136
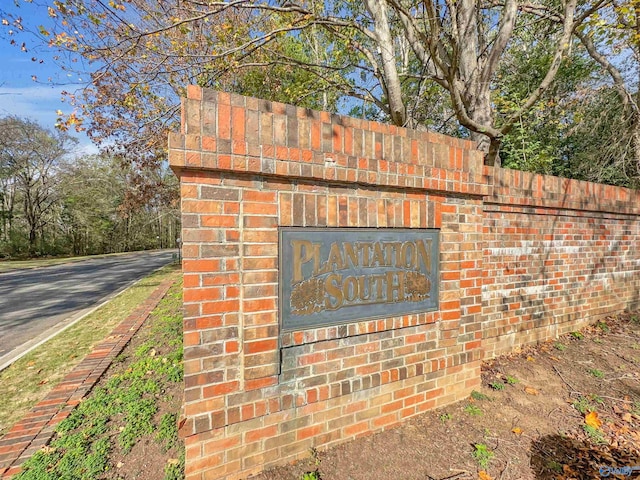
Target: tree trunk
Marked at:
635, 138
390, 79
30, 217
481, 113
33, 236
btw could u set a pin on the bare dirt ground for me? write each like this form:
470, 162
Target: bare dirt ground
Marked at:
566, 409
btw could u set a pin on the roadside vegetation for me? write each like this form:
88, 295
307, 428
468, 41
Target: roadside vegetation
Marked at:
8, 265
29, 379
127, 426
55, 201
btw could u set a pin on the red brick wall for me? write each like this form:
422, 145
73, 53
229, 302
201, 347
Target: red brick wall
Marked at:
523, 258
558, 253
248, 166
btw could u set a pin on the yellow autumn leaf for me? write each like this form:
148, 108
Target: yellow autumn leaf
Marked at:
531, 391
592, 420
530, 359
482, 475
517, 430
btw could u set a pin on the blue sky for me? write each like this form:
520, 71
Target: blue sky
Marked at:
19, 94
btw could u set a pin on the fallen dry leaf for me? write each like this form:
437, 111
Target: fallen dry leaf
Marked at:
517, 430
173, 461
592, 420
530, 359
531, 391
181, 423
556, 359
482, 475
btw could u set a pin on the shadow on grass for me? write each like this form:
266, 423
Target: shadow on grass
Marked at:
557, 456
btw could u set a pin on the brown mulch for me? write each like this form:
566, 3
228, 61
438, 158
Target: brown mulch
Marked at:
536, 426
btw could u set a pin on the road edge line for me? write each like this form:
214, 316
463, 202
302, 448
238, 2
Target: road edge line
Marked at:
31, 433
58, 330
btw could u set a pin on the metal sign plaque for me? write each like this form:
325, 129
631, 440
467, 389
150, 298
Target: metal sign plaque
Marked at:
330, 276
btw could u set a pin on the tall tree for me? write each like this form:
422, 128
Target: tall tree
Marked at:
7, 197
612, 38
608, 148
133, 97
33, 155
380, 52
540, 138
110, 206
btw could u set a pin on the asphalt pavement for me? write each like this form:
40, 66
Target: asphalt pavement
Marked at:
35, 303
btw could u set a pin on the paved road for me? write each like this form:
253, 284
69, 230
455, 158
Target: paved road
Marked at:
33, 302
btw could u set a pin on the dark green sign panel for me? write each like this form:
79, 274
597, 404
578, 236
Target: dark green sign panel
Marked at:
331, 276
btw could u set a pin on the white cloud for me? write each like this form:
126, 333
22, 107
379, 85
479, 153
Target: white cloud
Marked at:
40, 104
86, 149
37, 103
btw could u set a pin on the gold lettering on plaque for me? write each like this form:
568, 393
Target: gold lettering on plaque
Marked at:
332, 285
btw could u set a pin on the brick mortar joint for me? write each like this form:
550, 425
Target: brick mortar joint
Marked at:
329, 157
288, 340
392, 375
609, 211
346, 183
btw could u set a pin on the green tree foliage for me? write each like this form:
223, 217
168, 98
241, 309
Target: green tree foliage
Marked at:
601, 146
55, 203
540, 138
523, 79
31, 157
390, 56
612, 38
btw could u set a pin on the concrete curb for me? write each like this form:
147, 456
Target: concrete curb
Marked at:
36, 429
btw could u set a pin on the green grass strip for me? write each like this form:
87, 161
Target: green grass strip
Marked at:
8, 265
123, 409
28, 380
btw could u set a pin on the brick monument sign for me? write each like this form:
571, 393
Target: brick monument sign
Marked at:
342, 275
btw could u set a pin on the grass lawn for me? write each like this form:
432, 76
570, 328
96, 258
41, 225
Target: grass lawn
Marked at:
8, 265
126, 427
28, 380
